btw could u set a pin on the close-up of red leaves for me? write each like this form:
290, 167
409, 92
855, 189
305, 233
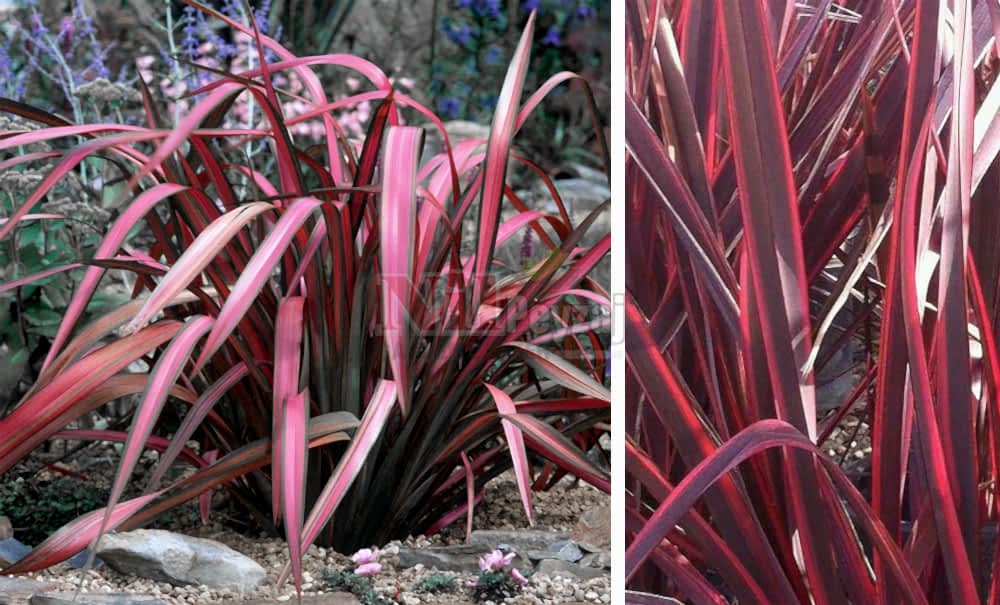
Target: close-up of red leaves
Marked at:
332, 324
812, 295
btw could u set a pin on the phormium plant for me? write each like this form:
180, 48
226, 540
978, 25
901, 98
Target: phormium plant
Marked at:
804, 180
354, 355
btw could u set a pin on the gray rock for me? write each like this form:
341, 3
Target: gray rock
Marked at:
565, 550
110, 598
597, 559
593, 175
593, 530
554, 567
521, 540
180, 560
12, 550
17, 591
583, 192
460, 557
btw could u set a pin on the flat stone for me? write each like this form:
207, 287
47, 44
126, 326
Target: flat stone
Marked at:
17, 591
460, 557
593, 530
108, 598
565, 550
330, 598
596, 559
555, 567
518, 540
12, 550
180, 560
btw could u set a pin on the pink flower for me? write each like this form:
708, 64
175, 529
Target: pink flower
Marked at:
518, 577
495, 560
368, 569
365, 556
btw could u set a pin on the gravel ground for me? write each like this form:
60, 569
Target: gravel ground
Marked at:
557, 509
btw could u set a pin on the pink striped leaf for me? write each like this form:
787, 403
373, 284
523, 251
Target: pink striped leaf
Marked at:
291, 460
287, 366
162, 377
554, 446
515, 442
32, 421
194, 418
396, 224
376, 414
561, 371
194, 260
497, 155
255, 275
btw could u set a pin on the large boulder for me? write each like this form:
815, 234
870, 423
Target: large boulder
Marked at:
180, 560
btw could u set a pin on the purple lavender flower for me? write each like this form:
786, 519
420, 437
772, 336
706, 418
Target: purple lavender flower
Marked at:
231, 9
527, 246
189, 39
38, 28
530, 5
585, 11
493, 55
553, 37
263, 15
464, 3
461, 35
493, 8
449, 107
66, 29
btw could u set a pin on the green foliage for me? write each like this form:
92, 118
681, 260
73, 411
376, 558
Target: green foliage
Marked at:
37, 507
359, 586
66, 233
495, 585
437, 583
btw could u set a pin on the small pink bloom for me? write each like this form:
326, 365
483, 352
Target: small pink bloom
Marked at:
495, 560
365, 555
368, 569
518, 577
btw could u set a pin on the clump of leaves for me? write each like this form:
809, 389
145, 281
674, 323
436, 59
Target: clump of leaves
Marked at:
342, 339
359, 586
437, 583
358, 581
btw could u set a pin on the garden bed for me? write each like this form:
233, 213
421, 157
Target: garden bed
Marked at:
557, 510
